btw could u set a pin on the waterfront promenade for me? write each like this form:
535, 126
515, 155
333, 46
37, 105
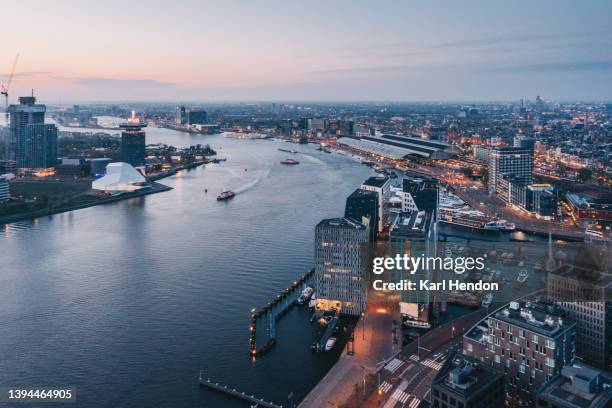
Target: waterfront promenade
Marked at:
373, 344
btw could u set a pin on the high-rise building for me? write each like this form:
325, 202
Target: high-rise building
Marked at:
467, 383
133, 145
362, 206
381, 186
181, 115
523, 141
509, 161
414, 234
32, 143
529, 341
582, 289
340, 265
197, 117
4, 190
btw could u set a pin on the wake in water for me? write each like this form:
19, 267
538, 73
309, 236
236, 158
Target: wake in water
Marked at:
253, 183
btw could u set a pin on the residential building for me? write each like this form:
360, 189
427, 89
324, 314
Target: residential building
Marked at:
529, 341
32, 143
340, 269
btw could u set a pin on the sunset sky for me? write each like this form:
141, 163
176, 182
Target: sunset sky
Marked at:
328, 50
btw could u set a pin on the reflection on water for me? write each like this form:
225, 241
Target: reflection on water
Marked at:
129, 301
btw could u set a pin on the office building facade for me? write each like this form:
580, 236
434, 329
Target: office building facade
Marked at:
414, 234
509, 162
340, 270
362, 206
5, 194
32, 143
381, 186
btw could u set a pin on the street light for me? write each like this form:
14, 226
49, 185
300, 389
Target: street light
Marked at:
363, 326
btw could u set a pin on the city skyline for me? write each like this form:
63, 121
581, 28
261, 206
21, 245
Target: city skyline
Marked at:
288, 52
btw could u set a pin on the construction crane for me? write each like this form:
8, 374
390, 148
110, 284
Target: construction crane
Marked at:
4, 89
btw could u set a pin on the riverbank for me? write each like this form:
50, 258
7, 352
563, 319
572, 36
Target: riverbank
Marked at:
90, 201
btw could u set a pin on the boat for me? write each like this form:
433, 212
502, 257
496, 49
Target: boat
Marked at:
287, 150
417, 324
313, 302
226, 195
290, 161
500, 225
594, 233
522, 276
487, 300
306, 294
331, 342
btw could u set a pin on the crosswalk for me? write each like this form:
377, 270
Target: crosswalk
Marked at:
432, 364
385, 386
400, 396
414, 357
414, 403
393, 365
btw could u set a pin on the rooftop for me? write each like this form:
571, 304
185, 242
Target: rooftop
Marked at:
414, 224
544, 318
579, 386
466, 376
341, 223
375, 181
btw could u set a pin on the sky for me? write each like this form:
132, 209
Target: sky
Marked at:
224, 50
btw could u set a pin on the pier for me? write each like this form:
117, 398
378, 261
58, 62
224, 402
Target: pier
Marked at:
274, 311
260, 402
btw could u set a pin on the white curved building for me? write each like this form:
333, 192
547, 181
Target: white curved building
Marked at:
120, 177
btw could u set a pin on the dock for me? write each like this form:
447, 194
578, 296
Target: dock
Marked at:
260, 402
319, 345
273, 312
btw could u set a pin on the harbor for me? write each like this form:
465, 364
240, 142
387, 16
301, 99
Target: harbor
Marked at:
272, 312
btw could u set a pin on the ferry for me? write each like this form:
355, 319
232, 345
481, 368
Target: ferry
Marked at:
331, 342
487, 300
522, 276
501, 225
290, 161
306, 294
288, 150
226, 195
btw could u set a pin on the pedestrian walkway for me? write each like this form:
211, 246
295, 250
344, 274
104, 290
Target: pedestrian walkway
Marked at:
385, 386
393, 365
432, 364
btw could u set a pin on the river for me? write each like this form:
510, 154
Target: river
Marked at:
129, 301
